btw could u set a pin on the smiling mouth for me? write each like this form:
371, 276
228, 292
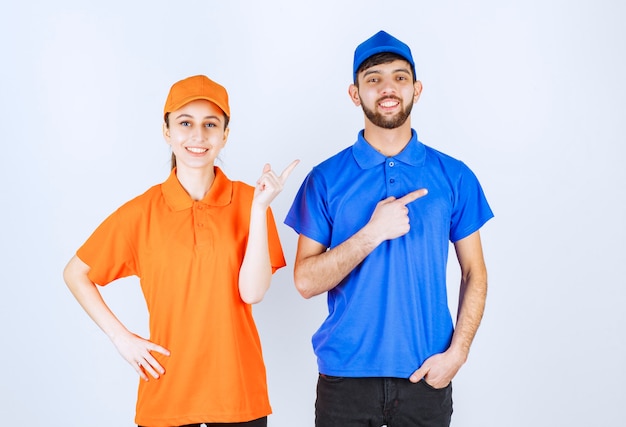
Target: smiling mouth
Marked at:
197, 150
389, 103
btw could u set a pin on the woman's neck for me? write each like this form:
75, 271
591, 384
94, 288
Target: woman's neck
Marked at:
197, 182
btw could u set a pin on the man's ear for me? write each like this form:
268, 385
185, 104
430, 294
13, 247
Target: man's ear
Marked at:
417, 90
353, 91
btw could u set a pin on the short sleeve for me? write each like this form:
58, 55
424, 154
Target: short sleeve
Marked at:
470, 208
309, 211
108, 251
277, 258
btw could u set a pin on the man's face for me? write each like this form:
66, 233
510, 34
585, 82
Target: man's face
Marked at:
386, 92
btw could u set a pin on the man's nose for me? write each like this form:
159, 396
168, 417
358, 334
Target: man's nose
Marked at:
389, 87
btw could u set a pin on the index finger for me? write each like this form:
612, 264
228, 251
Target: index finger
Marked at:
412, 196
288, 170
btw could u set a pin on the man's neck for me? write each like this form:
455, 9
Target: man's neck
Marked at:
388, 142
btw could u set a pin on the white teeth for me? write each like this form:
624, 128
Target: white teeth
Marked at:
197, 150
388, 104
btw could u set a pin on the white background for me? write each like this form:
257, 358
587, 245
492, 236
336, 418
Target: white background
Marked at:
530, 94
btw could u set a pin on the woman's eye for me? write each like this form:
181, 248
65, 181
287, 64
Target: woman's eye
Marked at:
210, 125
185, 124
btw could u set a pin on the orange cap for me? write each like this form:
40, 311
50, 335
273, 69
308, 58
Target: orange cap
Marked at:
196, 87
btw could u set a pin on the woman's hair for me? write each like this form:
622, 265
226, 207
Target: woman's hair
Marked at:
167, 124
381, 58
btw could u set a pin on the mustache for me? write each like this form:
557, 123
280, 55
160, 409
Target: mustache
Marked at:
389, 97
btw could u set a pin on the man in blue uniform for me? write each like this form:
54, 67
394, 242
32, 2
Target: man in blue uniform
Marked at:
374, 224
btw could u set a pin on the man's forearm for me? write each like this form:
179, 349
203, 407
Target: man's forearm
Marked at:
472, 299
321, 272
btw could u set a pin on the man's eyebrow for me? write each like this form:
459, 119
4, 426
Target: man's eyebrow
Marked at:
370, 71
377, 71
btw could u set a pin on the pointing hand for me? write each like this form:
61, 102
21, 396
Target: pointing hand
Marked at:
269, 185
391, 216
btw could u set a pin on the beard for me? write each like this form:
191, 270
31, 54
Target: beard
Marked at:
388, 122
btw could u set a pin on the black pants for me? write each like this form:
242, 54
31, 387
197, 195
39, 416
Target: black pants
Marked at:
261, 422
373, 402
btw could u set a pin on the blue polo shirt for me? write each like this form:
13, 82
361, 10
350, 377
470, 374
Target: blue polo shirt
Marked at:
391, 312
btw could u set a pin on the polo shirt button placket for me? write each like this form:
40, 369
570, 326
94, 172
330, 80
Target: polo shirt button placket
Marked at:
390, 176
198, 220
202, 224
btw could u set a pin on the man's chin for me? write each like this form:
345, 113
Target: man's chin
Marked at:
386, 122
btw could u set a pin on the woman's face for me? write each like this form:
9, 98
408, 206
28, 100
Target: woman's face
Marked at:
196, 134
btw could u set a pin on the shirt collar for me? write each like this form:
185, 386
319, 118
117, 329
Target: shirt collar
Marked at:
220, 193
367, 156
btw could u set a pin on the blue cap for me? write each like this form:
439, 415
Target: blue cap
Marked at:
379, 43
